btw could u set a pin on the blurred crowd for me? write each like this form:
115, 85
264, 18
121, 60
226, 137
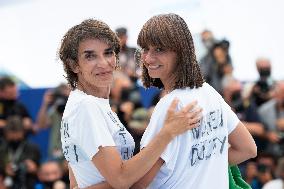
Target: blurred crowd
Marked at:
259, 104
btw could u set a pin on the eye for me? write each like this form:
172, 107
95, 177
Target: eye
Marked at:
90, 56
109, 53
159, 49
145, 50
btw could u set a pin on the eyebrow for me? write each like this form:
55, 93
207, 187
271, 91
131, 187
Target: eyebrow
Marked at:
108, 49
88, 52
92, 51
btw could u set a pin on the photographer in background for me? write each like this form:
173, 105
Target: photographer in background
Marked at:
245, 109
220, 66
126, 55
272, 116
10, 106
262, 90
21, 157
50, 114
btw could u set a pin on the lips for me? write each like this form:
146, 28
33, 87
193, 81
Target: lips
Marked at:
104, 73
153, 67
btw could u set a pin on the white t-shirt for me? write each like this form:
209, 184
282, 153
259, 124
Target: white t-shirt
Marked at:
198, 158
88, 123
274, 184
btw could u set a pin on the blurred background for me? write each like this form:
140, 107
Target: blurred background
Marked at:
239, 45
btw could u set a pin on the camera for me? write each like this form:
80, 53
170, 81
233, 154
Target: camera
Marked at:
263, 85
58, 100
20, 170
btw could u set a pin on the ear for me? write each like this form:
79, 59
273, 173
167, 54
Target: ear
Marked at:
73, 65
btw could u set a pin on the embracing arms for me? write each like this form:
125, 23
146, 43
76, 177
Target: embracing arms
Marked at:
123, 174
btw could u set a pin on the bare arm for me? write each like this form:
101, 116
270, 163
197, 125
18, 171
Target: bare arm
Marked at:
123, 174
42, 118
255, 128
73, 182
103, 185
148, 178
72, 179
242, 145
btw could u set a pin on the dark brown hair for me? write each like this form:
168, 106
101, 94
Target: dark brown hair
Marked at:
88, 29
6, 82
170, 31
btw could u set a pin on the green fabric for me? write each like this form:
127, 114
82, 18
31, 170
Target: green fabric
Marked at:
235, 179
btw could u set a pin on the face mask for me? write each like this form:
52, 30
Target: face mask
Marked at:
263, 85
48, 184
237, 101
9, 102
264, 72
14, 144
208, 43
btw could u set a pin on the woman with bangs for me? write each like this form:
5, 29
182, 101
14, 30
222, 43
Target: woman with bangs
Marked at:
96, 145
200, 157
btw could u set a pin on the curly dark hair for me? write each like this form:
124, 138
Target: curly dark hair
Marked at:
170, 31
88, 29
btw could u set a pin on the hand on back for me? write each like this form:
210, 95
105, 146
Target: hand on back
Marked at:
178, 122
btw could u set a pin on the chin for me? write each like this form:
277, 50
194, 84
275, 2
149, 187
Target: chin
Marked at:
105, 84
154, 76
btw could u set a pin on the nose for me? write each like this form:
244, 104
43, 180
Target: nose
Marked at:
104, 62
149, 57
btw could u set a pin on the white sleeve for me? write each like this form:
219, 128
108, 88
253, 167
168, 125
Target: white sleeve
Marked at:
155, 125
232, 118
93, 130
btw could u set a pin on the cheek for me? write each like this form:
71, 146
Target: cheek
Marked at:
172, 64
112, 62
143, 63
143, 59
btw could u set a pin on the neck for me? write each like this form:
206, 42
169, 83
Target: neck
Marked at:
168, 88
168, 84
100, 92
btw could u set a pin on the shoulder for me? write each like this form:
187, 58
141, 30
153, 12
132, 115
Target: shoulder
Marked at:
88, 102
82, 108
165, 102
273, 184
209, 89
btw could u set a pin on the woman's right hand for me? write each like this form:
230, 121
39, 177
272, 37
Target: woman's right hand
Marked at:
178, 122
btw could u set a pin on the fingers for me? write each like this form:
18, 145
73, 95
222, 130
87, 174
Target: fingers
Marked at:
195, 120
195, 113
173, 105
189, 106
